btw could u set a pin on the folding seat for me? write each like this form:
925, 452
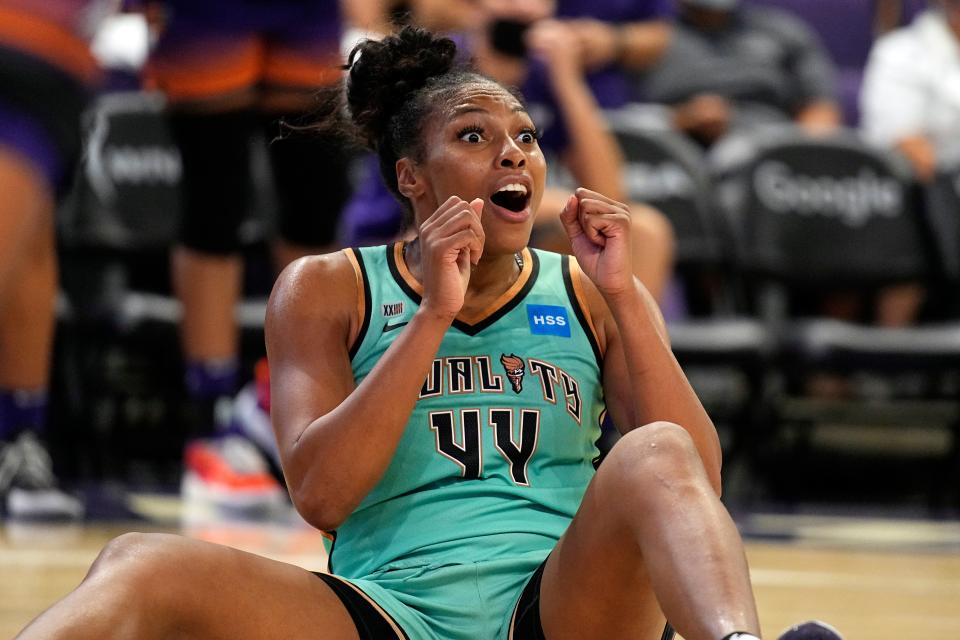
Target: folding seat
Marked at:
817, 215
725, 352
117, 375
666, 171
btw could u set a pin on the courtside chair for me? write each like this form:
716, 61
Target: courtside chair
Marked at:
118, 368
823, 214
724, 351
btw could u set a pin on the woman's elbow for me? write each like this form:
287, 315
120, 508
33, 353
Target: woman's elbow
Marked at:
317, 507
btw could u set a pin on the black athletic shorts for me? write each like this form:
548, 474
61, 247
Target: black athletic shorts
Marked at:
371, 624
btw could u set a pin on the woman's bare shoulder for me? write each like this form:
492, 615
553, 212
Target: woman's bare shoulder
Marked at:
317, 286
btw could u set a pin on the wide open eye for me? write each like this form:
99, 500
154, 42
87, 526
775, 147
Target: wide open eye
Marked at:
472, 134
528, 136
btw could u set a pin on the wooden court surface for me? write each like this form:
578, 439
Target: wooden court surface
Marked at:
873, 579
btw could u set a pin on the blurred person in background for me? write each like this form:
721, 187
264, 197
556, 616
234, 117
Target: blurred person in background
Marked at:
732, 66
910, 98
228, 68
47, 73
521, 43
893, 14
910, 102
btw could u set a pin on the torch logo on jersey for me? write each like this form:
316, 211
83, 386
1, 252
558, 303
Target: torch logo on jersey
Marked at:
514, 367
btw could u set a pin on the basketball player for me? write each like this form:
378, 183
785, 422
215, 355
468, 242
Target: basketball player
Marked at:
229, 68
46, 72
435, 404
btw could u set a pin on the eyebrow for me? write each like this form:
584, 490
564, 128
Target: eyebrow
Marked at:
459, 111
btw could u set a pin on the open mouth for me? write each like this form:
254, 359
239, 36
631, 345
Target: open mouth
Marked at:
513, 197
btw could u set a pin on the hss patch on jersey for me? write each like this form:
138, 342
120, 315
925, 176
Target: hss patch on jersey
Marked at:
548, 320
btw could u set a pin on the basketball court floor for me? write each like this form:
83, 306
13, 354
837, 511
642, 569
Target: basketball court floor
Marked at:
873, 578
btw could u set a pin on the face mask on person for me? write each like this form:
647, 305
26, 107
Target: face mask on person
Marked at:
507, 37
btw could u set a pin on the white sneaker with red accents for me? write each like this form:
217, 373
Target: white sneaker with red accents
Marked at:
229, 472
249, 418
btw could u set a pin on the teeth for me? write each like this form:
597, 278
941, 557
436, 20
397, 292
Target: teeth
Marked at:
514, 187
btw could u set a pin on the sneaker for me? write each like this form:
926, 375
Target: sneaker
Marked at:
229, 472
811, 630
251, 418
30, 488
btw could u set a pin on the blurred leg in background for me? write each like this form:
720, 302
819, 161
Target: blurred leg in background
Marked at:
45, 72
228, 70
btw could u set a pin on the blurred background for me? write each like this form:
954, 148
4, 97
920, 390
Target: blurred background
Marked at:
795, 166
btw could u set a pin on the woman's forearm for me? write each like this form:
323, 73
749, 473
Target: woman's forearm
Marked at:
594, 156
341, 456
658, 386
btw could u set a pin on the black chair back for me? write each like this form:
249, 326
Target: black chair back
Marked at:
126, 196
668, 172
943, 208
830, 212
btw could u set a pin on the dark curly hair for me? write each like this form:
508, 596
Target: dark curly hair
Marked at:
392, 87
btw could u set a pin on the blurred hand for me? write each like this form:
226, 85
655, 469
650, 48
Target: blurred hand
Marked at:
556, 45
820, 118
451, 241
706, 116
599, 42
922, 156
599, 232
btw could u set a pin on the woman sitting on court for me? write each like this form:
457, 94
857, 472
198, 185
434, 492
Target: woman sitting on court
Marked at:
436, 404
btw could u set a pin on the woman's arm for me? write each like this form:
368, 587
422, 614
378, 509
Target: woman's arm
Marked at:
593, 156
643, 382
633, 45
336, 439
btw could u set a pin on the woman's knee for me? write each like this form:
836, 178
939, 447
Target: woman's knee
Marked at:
120, 553
140, 561
655, 454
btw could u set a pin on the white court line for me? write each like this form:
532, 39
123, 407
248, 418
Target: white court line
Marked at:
827, 579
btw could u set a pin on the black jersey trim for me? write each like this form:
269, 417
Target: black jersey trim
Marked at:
508, 306
579, 311
365, 323
398, 277
469, 329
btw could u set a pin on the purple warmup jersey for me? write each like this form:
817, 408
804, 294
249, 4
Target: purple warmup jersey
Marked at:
262, 15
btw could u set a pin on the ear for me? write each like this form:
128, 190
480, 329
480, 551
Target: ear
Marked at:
410, 181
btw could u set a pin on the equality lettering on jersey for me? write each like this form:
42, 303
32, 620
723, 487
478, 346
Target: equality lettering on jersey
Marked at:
550, 376
461, 374
462, 443
458, 375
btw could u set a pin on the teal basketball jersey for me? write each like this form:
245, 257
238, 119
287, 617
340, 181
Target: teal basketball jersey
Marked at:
500, 446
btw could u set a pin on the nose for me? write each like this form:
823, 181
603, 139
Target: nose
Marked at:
512, 156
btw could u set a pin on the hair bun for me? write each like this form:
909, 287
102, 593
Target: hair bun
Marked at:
384, 74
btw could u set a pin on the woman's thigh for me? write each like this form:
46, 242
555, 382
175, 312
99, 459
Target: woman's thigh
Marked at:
595, 583
599, 580
213, 591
